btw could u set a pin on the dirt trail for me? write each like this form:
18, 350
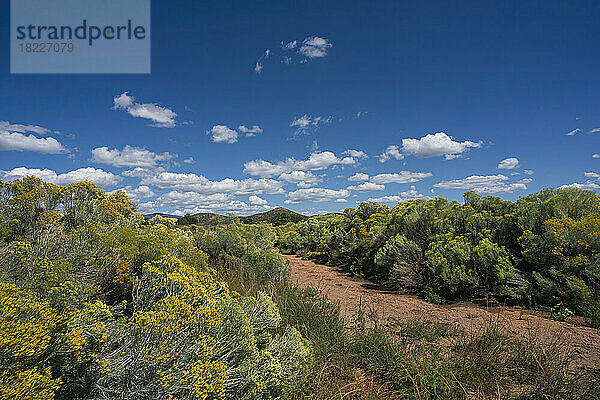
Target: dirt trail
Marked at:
392, 308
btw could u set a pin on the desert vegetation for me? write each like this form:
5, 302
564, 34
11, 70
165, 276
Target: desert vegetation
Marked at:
540, 251
97, 302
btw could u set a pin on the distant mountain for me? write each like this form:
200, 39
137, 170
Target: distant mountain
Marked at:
148, 216
276, 216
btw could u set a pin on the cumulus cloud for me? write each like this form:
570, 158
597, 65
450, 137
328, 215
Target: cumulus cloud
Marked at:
411, 194
181, 203
97, 176
402, 177
189, 160
161, 117
137, 194
389, 153
588, 185
491, 184
129, 157
432, 145
359, 177
15, 141
528, 171
257, 200
595, 130
223, 134
573, 132
14, 137
250, 131
435, 145
509, 163
190, 182
302, 179
366, 187
316, 195
316, 161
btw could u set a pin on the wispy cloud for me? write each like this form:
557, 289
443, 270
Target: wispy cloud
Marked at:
306, 124
296, 51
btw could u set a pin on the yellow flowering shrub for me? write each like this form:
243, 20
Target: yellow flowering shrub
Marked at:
190, 337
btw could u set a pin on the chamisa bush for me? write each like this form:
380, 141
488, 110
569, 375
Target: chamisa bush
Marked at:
541, 250
98, 303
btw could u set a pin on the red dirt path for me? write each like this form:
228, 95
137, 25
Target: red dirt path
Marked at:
392, 308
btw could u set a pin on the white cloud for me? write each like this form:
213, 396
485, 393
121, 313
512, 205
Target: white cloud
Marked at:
181, 203
301, 178
595, 155
291, 45
223, 134
137, 194
189, 160
162, 117
257, 200
359, 177
296, 52
13, 137
485, 184
411, 194
316, 161
592, 175
123, 101
306, 123
250, 131
7, 126
402, 177
595, 130
435, 145
315, 47
588, 185
509, 163
15, 141
98, 176
358, 154
366, 187
129, 157
258, 67
528, 171
573, 132
390, 152
190, 182
316, 195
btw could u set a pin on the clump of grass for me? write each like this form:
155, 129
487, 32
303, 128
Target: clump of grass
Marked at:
428, 331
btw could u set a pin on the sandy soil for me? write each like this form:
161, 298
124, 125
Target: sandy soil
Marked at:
392, 308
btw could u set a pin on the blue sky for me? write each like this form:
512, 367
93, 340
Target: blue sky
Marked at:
354, 101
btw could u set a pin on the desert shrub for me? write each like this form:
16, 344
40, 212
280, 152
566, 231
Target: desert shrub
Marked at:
403, 260
538, 251
190, 337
